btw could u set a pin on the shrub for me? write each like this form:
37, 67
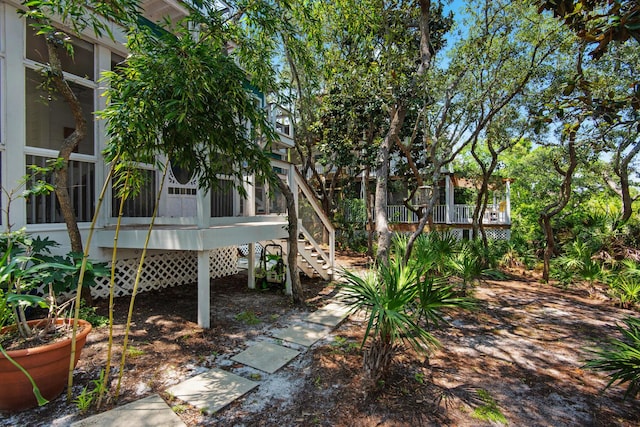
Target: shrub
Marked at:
622, 359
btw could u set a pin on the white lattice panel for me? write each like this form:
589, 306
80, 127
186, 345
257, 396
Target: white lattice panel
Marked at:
498, 234
166, 270
223, 262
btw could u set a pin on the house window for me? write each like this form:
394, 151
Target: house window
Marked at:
49, 121
116, 61
143, 203
49, 118
80, 64
44, 209
222, 199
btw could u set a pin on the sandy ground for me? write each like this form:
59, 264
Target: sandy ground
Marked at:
520, 354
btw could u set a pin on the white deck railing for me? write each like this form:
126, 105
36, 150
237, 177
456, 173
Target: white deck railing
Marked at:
459, 214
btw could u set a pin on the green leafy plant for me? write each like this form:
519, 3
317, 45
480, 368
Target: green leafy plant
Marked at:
87, 397
466, 265
489, 410
179, 409
397, 298
89, 314
343, 345
621, 361
134, 351
578, 260
625, 290
248, 317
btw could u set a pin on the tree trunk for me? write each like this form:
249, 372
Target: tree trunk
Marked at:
376, 362
382, 176
292, 255
397, 120
549, 211
621, 168
369, 220
69, 145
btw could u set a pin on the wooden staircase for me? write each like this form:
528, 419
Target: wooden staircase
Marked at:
314, 258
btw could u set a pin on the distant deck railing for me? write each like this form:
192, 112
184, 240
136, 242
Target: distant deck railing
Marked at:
458, 214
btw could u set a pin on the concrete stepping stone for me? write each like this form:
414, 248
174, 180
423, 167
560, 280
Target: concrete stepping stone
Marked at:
304, 334
212, 390
329, 315
151, 411
266, 357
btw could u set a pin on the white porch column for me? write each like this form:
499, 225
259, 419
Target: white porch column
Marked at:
13, 108
449, 198
507, 217
204, 291
203, 208
250, 210
250, 201
103, 62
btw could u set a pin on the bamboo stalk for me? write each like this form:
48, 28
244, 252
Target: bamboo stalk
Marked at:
137, 281
83, 269
114, 254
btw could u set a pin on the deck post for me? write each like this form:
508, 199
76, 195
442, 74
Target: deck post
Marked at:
508, 208
251, 267
204, 291
448, 198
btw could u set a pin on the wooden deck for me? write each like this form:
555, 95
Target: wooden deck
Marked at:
228, 232
192, 237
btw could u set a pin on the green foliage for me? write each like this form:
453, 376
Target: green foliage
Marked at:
577, 261
621, 360
624, 283
134, 351
517, 253
179, 94
489, 411
397, 299
467, 265
89, 314
179, 409
343, 345
433, 251
87, 397
626, 290
248, 317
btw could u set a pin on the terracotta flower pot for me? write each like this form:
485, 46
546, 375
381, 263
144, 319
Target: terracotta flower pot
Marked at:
47, 364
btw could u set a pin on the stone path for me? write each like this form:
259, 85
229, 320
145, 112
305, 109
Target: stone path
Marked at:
216, 388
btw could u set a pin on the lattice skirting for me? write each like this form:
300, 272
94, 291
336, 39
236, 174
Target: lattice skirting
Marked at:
492, 233
166, 270
498, 234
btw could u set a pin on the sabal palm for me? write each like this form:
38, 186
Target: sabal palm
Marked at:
396, 299
622, 360
432, 251
466, 264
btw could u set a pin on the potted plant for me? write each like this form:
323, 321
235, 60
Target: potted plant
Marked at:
35, 354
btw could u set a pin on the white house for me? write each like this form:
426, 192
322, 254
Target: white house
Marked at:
197, 233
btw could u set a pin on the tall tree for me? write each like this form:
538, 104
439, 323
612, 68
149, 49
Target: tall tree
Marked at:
508, 48
598, 22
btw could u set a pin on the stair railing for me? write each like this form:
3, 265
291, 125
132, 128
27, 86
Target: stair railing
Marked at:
328, 229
